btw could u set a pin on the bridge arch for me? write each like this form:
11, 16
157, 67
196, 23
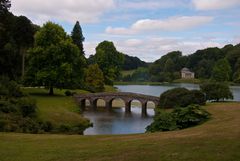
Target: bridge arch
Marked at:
127, 97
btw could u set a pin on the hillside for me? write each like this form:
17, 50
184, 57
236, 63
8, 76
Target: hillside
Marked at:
217, 139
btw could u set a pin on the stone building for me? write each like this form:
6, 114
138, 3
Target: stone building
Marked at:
187, 74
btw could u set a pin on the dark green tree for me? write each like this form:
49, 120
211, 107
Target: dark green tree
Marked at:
23, 33
4, 6
54, 60
221, 71
109, 60
169, 66
94, 78
181, 97
216, 91
78, 37
131, 62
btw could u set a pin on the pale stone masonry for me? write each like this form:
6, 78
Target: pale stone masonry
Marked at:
187, 74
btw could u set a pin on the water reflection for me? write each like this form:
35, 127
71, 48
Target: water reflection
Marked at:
158, 90
117, 122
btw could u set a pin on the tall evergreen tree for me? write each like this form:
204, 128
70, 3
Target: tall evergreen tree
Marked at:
23, 33
4, 6
77, 37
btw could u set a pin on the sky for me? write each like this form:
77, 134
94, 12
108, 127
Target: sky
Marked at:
147, 29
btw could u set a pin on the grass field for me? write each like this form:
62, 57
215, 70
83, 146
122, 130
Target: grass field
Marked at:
195, 81
59, 109
216, 140
127, 72
139, 83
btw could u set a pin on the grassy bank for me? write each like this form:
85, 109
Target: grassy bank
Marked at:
194, 81
138, 83
217, 139
58, 109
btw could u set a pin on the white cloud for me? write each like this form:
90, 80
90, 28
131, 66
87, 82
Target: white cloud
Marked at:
214, 4
119, 31
62, 10
172, 24
151, 4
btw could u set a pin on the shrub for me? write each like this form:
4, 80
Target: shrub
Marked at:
180, 118
216, 91
163, 121
198, 97
190, 116
29, 125
68, 93
181, 97
2, 124
27, 106
7, 107
64, 128
47, 126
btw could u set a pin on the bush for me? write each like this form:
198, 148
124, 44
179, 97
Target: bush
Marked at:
68, 93
163, 121
216, 91
181, 97
180, 118
47, 126
27, 106
9, 88
7, 107
198, 97
64, 128
190, 116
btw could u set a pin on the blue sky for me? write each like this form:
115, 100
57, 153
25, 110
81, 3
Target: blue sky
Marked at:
144, 28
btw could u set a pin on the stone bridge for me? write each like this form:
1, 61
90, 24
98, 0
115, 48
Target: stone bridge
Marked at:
109, 97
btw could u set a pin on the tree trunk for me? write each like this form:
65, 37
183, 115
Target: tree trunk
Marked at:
51, 91
22, 52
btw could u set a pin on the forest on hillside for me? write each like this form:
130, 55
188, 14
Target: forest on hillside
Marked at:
18, 42
220, 64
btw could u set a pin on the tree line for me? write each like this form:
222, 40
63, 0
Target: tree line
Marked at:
48, 56
219, 64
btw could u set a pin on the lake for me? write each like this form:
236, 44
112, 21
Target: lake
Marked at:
116, 122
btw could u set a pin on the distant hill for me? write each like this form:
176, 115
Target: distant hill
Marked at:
202, 62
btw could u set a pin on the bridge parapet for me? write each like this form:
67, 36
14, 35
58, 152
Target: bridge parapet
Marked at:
108, 97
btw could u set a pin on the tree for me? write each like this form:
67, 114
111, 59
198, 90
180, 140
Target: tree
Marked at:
216, 91
131, 62
4, 6
54, 61
77, 37
221, 71
94, 78
181, 97
169, 66
23, 34
109, 60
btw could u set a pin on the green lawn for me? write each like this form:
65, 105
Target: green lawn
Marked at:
216, 140
128, 72
195, 81
59, 109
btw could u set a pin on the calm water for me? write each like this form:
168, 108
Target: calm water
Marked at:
117, 122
